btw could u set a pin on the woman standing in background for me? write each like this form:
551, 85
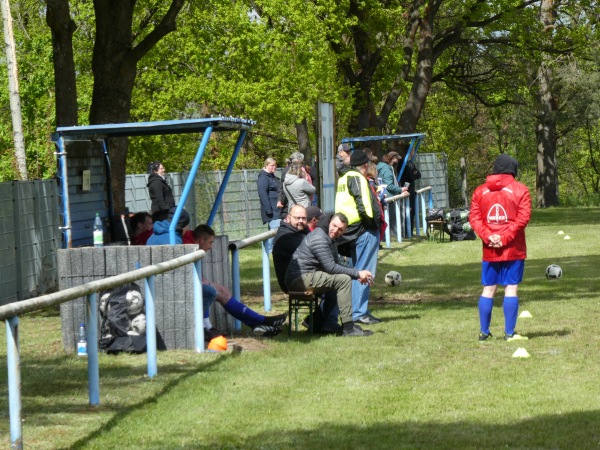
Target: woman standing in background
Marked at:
158, 188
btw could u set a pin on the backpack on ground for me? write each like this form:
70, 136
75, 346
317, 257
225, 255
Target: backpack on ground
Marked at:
458, 226
123, 327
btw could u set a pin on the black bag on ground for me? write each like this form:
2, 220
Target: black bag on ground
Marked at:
123, 327
458, 226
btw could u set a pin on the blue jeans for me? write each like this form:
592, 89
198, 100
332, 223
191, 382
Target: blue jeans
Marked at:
269, 242
209, 294
364, 257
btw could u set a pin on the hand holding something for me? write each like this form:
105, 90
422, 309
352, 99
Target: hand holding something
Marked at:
365, 277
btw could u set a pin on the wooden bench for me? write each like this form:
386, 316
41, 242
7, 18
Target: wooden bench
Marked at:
301, 300
435, 230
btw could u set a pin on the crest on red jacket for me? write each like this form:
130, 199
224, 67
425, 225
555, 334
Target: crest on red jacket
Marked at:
497, 214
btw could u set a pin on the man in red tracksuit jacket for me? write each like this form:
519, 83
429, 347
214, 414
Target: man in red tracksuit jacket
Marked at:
500, 211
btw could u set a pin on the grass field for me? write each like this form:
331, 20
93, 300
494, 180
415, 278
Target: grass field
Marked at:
421, 381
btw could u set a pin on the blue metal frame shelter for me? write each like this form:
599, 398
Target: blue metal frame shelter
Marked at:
415, 141
102, 133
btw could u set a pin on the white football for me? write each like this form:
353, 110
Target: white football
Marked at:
138, 324
393, 278
103, 306
553, 271
135, 302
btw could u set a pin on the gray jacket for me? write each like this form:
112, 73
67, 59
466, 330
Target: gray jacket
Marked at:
297, 190
317, 252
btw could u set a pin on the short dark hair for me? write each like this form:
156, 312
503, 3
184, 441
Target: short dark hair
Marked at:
202, 231
138, 218
340, 216
153, 167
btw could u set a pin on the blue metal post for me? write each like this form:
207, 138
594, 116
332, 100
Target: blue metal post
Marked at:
235, 281
417, 215
150, 327
189, 184
198, 307
430, 199
14, 382
407, 217
388, 241
398, 221
236, 152
266, 269
423, 212
64, 188
91, 328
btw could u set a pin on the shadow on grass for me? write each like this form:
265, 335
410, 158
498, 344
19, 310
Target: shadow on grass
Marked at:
186, 372
564, 430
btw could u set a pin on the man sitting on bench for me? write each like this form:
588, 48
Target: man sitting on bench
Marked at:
314, 267
289, 236
266, 326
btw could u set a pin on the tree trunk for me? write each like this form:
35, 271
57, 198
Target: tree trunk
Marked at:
303, 141
547, 175
422, 80
62, 27
114, 64
13, 89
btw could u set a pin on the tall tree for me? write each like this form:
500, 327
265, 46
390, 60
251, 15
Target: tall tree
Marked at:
547, 174
62, 27
13, 87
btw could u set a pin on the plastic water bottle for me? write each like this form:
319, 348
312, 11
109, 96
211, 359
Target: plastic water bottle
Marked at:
98, 232
82, 342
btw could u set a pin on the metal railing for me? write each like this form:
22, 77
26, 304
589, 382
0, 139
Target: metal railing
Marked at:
11, 312
420, 213
234, 248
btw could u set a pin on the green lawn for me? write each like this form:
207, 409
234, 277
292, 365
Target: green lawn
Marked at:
421, 381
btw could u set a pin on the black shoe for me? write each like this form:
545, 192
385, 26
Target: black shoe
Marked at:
367, 319
356, 331
275, 321
265, 331
484, 337
209, 335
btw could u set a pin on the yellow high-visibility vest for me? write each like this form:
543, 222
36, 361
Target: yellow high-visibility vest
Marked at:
344, 201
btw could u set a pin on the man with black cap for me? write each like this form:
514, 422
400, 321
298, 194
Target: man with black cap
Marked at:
500, 211
160, 234
356, 201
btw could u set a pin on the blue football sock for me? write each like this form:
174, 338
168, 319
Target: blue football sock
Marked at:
511, 308
242, 313
485, 313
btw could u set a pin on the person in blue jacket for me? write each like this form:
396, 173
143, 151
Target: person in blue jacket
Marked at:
160, 234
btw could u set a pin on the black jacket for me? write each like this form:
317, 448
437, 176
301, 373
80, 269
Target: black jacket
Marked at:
287, 240
160, 193
268, 187
317, 252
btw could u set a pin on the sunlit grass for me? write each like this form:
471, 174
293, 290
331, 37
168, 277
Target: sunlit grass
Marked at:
422, 381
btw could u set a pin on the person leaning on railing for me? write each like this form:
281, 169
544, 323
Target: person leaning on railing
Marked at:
265, 326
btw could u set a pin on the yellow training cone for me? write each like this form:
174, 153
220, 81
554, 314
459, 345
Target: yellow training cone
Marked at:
525, 315
561, 232
520, 353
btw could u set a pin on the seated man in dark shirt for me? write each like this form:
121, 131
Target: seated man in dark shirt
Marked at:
291, 233
314, 267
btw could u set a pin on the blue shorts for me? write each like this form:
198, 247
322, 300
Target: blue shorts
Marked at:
502, 272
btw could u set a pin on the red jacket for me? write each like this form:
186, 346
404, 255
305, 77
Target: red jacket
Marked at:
501, 206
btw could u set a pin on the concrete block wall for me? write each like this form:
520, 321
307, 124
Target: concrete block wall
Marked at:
174, 294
